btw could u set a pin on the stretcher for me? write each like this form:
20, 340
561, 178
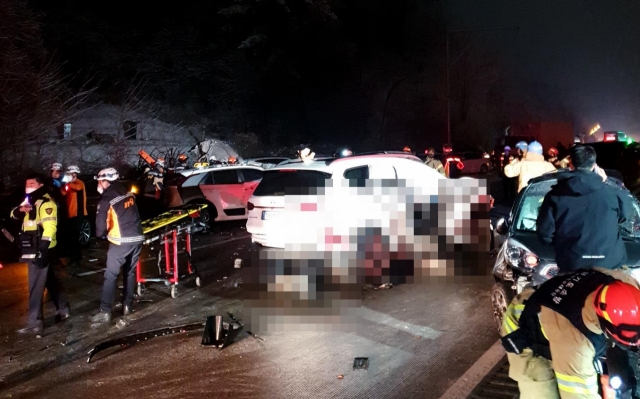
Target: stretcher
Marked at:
167, 230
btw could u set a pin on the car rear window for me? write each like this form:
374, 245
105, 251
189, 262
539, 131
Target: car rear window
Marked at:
290, 182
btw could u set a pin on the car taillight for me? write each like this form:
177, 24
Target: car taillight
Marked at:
250, 206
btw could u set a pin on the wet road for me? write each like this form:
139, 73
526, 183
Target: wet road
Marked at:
419, 339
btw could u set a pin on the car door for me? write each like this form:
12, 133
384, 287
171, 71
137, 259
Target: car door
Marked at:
471, 162
250, 180
223, 189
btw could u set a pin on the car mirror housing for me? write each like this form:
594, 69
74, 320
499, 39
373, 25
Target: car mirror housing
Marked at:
502, 227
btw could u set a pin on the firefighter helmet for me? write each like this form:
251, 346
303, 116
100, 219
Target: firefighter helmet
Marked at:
232, 160
73, 169
535, 148
406, 149
522, 145
507, 148
618, 308
56, 166
160, 162
182, 158
553, 152
109, 174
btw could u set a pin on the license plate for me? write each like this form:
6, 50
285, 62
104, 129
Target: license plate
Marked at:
266, 215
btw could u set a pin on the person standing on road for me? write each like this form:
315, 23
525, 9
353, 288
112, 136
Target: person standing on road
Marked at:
433, 162
117, 220
554, 335
580, 216
38, 244
531, 166
76, 201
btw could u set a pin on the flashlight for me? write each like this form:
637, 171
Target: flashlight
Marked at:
615, 383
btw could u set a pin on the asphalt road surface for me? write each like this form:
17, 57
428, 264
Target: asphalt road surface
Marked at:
419, 339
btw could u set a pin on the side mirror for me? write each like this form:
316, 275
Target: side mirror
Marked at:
502, 227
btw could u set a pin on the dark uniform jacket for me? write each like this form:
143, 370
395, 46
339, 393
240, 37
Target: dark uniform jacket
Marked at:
580, 218
118, 217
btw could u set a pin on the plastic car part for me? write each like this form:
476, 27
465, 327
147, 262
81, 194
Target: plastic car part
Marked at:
361, 363
219, 334
132, 339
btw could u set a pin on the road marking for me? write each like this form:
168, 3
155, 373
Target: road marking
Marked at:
90, 273
381, 318
463, 387
213, 244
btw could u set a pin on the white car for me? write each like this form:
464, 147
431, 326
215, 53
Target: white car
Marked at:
306, 181
474, 162
226, 189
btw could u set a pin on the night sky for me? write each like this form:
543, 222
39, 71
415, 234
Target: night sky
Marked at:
363, 70
580, 54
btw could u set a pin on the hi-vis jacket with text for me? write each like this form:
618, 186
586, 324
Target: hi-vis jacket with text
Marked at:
43, 217
118, 216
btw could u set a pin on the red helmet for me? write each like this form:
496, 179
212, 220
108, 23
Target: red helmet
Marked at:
618, 308
552, 151
406, 149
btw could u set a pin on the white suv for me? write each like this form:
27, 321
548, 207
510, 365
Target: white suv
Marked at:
306, 179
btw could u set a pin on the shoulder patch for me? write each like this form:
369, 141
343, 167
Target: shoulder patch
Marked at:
49, 211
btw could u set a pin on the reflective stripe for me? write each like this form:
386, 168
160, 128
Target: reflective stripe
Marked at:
30, 223
54, 219
511, 318
603, 300
116, 240
574, 384
120, 198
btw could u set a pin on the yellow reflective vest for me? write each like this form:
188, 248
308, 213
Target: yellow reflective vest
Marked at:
46, 219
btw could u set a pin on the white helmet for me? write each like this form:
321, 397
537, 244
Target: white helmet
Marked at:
73, 169
160, 162
56, 166
109, 174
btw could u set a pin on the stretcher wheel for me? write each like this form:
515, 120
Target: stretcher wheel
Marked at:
198, 281
174, 292
141, 289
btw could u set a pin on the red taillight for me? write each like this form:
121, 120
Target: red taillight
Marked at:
308, 207
609, 138
250, 206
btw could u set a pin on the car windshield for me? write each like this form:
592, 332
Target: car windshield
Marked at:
290, 182
527, 213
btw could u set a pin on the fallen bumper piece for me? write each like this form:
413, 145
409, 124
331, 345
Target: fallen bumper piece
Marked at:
132, 339
219, 334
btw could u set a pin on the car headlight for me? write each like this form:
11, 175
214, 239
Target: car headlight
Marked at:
517, 255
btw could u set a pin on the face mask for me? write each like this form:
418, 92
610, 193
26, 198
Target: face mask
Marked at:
100, 189
67, 178
29, 190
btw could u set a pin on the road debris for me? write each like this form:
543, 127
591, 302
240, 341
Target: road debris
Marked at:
340, 376
219, 334
361, 363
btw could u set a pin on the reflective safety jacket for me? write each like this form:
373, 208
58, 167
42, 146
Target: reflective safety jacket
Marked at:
43, 218
555, 324
76, 196
118, 217
434, 163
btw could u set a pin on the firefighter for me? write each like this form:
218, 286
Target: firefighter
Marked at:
56, 174
76, 206
182, 162
555, 335
38, 244
552, 156
232, 160
532, 165
157, 177
117, 220
434, 162
407, 150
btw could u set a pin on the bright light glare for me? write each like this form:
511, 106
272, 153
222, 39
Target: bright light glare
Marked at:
615, 382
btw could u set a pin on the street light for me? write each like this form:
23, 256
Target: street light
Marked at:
449, 65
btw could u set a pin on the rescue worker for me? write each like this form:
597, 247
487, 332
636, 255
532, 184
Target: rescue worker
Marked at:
157, 176
532, 165
580, 216
433, 162
521, 149
56, 175
407, 150
555, 335
118, 220
38, 244
76, 206
552, 156
232, 160
182, 162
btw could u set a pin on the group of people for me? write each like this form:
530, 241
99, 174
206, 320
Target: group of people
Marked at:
53, 206
570, 337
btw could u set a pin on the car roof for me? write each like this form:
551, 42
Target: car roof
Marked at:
191, 172
561, 173
329, 164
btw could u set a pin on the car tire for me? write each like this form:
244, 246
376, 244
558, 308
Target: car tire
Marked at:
501, 297
484, 169
84, 232
207, 215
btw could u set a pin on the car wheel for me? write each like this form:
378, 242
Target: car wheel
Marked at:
208, 215
85, 232
501, 297
484, 169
